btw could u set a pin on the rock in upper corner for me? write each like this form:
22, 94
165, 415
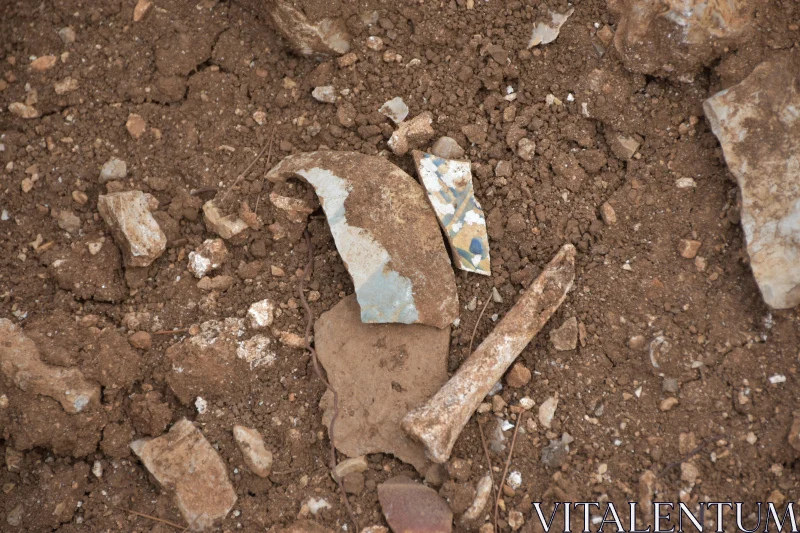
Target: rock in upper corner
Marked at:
186, 464
326, 36
136, 231
381, 372
676, 38
386, 233
757, 123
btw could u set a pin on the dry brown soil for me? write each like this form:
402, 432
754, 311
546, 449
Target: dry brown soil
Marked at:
197, 72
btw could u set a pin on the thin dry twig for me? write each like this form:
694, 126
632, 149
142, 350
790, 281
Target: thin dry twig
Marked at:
309, 322
489, 462
266, 169
244, 172
154, 518
475, 329
505, 471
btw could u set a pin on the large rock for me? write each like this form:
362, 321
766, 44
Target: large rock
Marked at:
381, 371
758, 125
186, 464
386, 233
20, 362
676, 38
136, 231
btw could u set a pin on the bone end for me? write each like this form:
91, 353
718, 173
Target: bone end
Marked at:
432, 430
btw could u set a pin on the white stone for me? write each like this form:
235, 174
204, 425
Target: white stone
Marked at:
136, 231
256, 456
547, 411
209, 256
758, 125
261, 314
396, 109
113, 169
325, 94
226, 227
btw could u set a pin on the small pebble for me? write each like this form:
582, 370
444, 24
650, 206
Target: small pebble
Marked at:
668, 404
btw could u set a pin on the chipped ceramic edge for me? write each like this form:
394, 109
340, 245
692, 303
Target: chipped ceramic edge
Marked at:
383, 294
448, 184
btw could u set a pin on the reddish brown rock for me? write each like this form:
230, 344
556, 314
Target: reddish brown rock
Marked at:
411, 507
518, 376
398, 366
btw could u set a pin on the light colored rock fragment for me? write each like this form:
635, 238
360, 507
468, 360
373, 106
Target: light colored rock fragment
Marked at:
261, 314
295, 209
323, 37
547, 411
388, 267
256, 456
136, 231
113, 169
135, 125
396, 109
546, 32
350, 466
226, 227
565, 337
448, 184
186, 465
67, 35
40, 64
67, 85
141, 10
325, 94
758, 125
608, 214
622, 146
412, 133
482, 494
447, 148
208, 257
381, 371
23, 110
20, 362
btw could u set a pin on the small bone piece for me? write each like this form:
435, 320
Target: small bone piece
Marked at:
438, 423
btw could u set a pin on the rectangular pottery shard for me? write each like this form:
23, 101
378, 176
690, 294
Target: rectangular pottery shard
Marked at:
449, 187
757, 123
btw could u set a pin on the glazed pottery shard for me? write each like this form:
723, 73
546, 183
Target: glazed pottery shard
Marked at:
385, 232
546, 32
381, 371
757, 123
450, 191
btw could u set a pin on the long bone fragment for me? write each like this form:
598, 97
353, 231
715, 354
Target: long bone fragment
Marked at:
438, 423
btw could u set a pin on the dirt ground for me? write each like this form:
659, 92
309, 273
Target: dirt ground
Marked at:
198, 73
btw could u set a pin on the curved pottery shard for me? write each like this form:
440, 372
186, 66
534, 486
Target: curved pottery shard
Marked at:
386, 233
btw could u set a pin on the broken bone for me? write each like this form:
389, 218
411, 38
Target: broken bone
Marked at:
438, 423
386, 233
